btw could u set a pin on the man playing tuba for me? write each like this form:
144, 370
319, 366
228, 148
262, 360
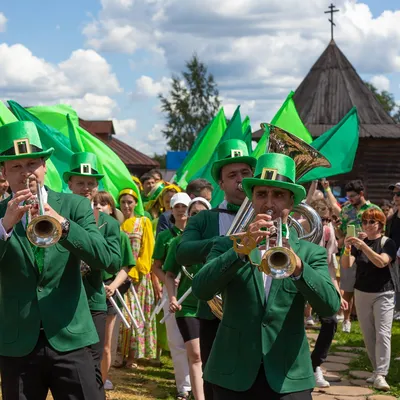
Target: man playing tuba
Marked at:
261, 350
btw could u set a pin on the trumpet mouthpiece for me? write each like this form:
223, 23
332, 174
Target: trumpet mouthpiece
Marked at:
240, 187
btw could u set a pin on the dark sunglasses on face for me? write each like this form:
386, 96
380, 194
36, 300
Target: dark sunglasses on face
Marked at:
369, 222
397, 194
326, 220
351, 196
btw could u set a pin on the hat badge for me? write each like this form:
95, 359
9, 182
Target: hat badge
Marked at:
236, 153
22, 146
86, 168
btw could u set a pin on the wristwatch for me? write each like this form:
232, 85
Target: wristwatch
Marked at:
65, 228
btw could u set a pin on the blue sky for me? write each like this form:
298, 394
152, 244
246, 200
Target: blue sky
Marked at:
110, 58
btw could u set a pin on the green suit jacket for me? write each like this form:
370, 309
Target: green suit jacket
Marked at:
93, 281
56, 297
254, 330
195, 245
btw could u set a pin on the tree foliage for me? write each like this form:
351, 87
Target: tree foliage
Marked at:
161, 159
190, 105
387, 100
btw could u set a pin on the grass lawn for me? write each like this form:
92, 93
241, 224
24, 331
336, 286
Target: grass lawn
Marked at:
362, 363
149, 382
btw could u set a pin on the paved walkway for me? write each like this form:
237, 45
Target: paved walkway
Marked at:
345, 384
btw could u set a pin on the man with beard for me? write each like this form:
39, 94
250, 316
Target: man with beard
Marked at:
261, 349
351, 215
83, 180
232, 166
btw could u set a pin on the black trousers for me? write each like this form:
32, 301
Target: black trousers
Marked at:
259, 391
69, 376
324, 341
208, 331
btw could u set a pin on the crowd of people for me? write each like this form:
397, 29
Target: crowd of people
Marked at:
147, 281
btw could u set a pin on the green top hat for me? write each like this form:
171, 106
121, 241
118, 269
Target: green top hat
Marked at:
276, 170
83, 164
21, 140
232, 151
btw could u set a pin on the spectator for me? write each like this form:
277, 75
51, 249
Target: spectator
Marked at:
387, 208
196, 188
156, 174
148, 184
351, 215
374, 291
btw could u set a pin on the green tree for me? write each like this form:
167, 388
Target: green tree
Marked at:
387, 100
190, 105
161, 159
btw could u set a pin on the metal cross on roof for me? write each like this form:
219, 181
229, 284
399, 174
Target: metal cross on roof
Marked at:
331, 11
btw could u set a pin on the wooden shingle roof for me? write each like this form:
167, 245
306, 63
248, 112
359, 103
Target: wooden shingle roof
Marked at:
331, 89
132, 158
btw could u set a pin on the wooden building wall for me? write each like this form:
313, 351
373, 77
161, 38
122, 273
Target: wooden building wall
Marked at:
377, 163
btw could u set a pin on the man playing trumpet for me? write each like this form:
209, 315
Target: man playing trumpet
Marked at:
261, 350
45, 319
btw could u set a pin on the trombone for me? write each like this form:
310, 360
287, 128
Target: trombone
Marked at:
43, 230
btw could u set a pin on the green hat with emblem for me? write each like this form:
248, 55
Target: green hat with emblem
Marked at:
83, 164
232, 151
276, 170
21, 139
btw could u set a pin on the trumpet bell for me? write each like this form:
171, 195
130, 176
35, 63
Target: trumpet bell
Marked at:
44, 231
278, 262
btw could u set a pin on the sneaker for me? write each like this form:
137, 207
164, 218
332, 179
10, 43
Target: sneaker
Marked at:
346, 326
320, 381
310, 321
339, 317
381, 384
396, 316
108, 385
371, 379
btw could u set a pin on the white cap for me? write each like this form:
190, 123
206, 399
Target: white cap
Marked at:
180, 198
200, 200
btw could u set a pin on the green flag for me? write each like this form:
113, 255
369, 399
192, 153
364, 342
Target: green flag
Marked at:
339, 145
6, 116
204, 149
233, 131
59, 127
288, 119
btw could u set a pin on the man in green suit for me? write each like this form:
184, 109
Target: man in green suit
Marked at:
261, 350
45, 319
233, 164
83, 179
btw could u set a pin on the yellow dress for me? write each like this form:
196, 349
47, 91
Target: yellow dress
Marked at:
142, 341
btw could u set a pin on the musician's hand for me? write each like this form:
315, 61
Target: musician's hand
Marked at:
48, 211
260, 228
15, 211
174, 306
157, 291
110, 290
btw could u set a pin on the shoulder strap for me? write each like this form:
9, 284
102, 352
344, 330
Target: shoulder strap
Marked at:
383, 240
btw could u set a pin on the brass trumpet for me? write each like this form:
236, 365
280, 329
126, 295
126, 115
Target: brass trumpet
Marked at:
43, 230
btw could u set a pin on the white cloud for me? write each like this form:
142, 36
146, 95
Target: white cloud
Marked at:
258, 51
148, 87
93, 106
147, 142
124, 127
3, 22
380, 82
85, 80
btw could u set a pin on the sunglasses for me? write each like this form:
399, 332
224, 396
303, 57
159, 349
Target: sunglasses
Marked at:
369, 222
351, 196
327, 220
397, 194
